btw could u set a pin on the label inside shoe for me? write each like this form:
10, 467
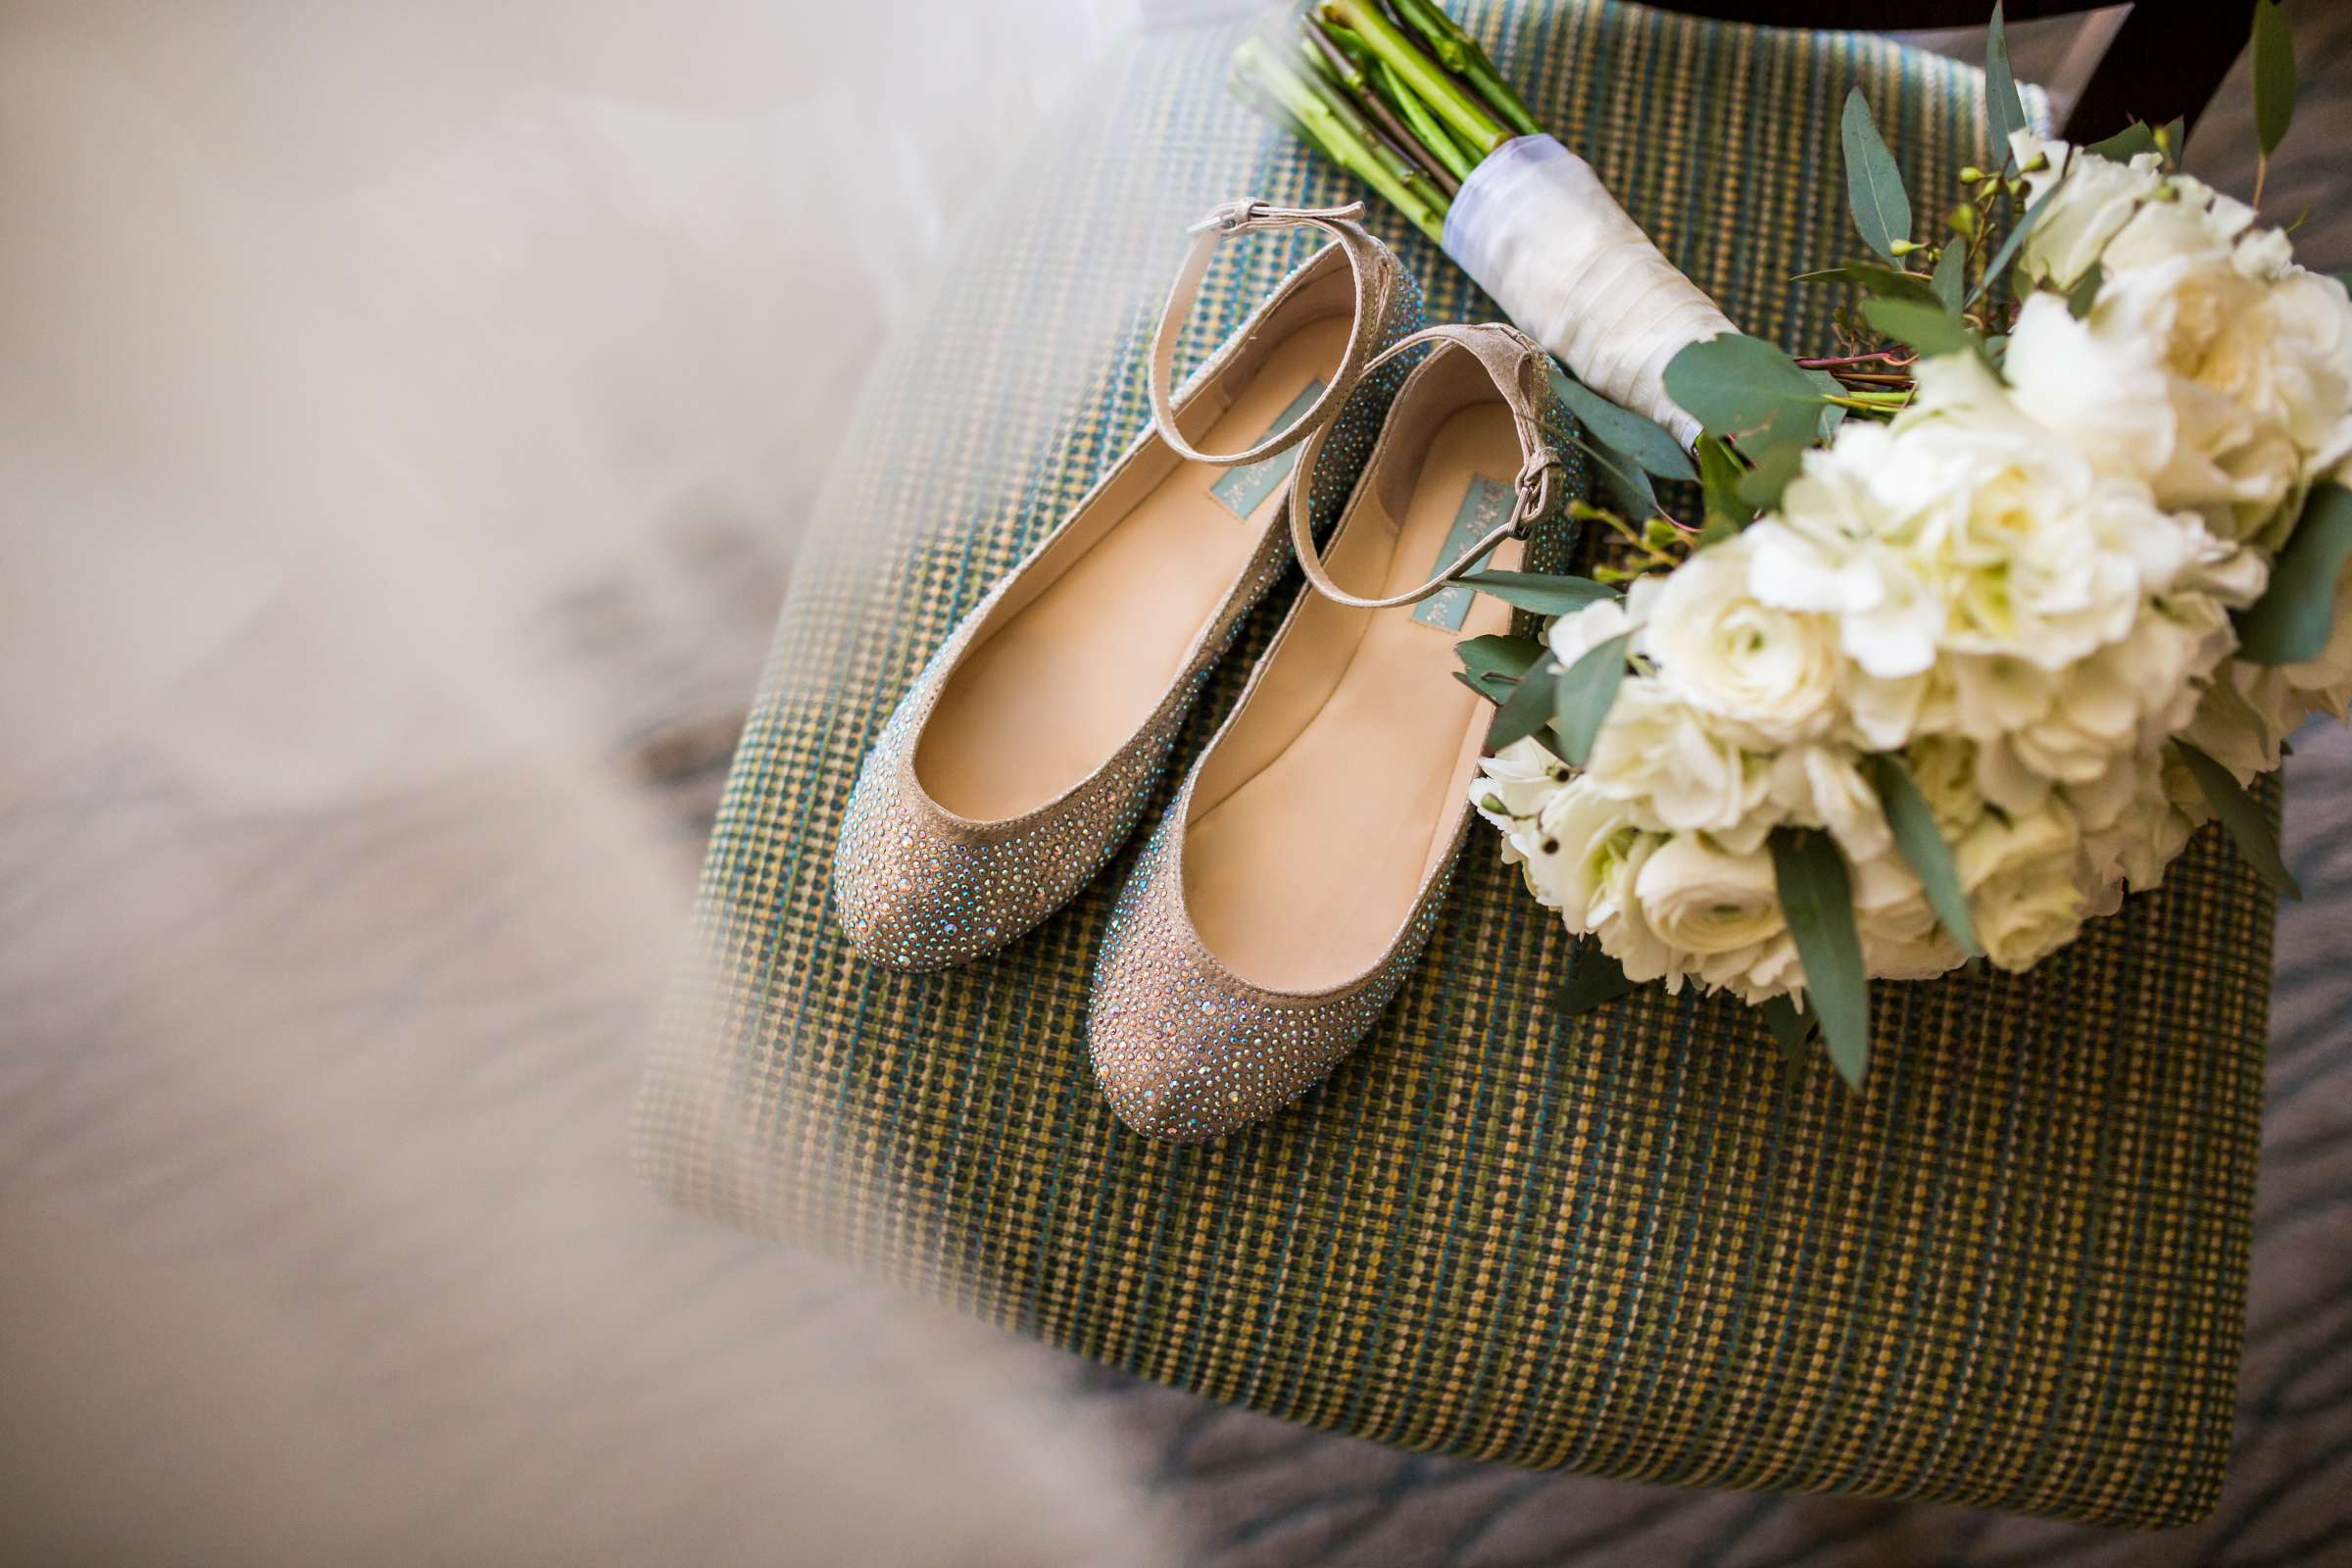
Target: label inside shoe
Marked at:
1244, 489
1484, 508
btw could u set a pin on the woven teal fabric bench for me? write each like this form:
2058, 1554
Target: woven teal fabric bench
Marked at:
2010, 1274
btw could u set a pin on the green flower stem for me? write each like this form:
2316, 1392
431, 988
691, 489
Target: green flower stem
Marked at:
1335, 129
1433, 132
1462, 112
1462, 55
1342, 66
1324, 80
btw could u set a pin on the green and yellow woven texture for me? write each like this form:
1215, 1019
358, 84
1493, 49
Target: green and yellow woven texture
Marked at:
2011, 1274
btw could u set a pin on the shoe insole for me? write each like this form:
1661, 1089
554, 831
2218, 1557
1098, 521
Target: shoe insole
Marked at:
1298, 878
1063, 682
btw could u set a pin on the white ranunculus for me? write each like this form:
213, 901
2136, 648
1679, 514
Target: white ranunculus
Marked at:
2019, 873
1901, 938
1659, 755
1721, 913
1770, 673
1582, 856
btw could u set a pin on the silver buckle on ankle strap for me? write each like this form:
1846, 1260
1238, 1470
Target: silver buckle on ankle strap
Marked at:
1232, 217
1538, 489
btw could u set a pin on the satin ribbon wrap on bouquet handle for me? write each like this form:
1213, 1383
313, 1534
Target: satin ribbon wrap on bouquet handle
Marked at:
1537, 230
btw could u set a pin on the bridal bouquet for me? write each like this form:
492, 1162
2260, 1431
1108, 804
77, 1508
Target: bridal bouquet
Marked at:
1977, 615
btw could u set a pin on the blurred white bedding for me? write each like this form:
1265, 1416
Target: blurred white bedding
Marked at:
351, 356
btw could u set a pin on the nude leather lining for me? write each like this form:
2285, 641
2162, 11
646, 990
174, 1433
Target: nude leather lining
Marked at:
1340, 787
1083, 649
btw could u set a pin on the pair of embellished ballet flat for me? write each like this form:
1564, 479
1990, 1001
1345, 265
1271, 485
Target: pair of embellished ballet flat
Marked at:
1297, 873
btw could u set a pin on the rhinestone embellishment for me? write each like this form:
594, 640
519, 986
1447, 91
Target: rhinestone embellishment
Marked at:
916, 888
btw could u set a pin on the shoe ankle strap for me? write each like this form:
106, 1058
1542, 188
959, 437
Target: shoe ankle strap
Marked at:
1367, 259
1507, 355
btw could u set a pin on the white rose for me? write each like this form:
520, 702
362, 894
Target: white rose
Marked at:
1659, 755
2019, 873
1721, 912
1769, 673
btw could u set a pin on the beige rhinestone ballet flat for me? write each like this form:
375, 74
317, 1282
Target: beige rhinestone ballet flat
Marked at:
1020, 758
1302, 863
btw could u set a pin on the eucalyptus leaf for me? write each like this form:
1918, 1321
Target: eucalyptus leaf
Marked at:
1930, 328
1498, 655
1952, 276
1649, 444
1922, 844
1791, 1028
1494, 688
2292, 620
1734, 382
1761, 486
1622, 477
1833, 414
1817, 898
2085, 292
1541, 592
1891, 282
2015, 238
1719, 476
1874, 185
1583, 694
1527, 709
2004, 110
1594, 977
2273, 77
2125, 144
2244, 818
